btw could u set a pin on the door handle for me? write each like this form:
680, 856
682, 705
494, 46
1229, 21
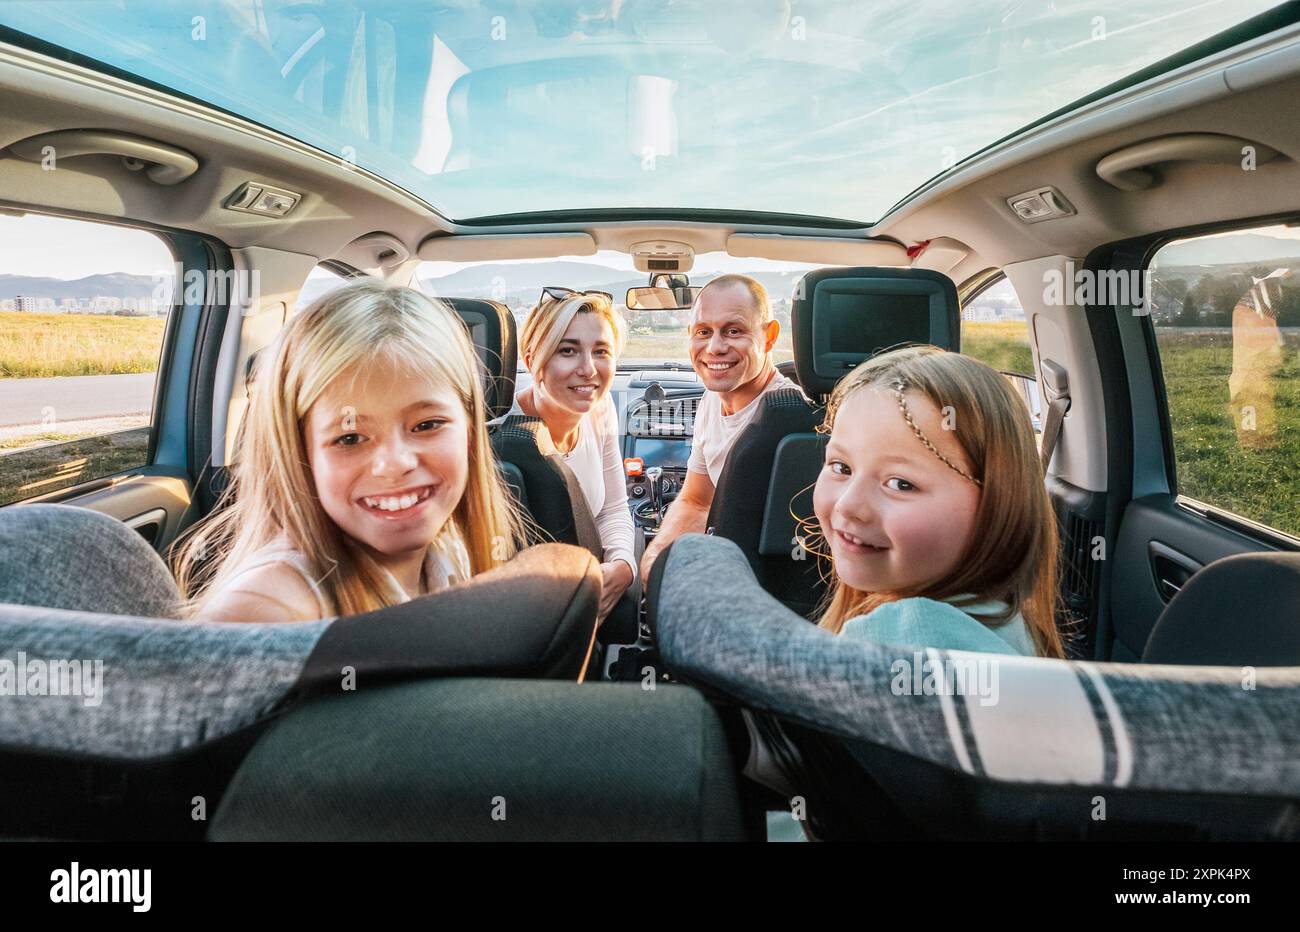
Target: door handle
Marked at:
1170, 570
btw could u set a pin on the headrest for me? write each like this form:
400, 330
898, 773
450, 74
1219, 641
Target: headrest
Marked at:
60, 556
492, 328
1195, 627
842, 316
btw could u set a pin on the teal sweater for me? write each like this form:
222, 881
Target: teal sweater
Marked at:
921, 622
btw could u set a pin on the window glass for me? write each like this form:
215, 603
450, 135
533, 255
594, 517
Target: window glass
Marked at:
653, 336
1226, 313
83, 308
319, 283
830, 108
994, 330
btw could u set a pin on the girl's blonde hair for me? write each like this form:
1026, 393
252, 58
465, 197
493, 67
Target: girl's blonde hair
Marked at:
548, 321
1012, 556
272, 495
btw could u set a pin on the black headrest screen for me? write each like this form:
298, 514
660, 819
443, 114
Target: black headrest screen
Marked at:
872, 320
478, 334
844, 316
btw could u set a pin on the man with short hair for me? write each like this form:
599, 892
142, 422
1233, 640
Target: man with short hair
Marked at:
731, 338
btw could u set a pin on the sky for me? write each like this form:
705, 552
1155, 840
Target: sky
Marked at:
53, 247
841, 111
832, 108
70, 249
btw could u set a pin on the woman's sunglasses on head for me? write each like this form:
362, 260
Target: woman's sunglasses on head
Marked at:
557, 293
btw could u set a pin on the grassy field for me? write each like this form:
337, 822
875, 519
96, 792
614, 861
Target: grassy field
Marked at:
1003, 344
1256, 475
672, 345
44, 345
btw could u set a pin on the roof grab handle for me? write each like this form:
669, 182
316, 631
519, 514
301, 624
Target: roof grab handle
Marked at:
164, 164
1129, 169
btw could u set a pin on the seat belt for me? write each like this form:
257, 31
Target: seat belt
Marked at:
1056, 384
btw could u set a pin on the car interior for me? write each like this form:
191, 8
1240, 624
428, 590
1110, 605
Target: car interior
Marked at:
1177, 704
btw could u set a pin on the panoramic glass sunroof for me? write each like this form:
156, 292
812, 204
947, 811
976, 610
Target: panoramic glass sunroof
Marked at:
829, 108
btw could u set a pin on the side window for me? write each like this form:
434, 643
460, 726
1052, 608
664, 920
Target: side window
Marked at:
1226, 313
83, 308
319, 283
994, 330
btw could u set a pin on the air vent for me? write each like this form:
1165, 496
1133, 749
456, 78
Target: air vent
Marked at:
672, 417
1079, 576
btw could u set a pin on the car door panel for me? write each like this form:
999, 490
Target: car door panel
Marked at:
1159, 537
152, 500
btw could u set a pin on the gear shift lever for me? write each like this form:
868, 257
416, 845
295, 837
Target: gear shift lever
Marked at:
656, 492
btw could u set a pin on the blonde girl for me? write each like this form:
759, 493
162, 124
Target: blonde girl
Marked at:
366, 476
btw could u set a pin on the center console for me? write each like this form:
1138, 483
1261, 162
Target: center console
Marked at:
656, 450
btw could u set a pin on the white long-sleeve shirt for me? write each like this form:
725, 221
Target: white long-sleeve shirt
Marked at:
597, 462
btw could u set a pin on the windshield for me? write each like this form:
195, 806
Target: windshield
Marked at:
654, 337
830, 108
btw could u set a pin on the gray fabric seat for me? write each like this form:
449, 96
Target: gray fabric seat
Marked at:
1053, 723
60, 556
77, 585
435, 760
112, 721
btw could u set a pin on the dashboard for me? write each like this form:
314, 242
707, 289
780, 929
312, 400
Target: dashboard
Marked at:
658, 432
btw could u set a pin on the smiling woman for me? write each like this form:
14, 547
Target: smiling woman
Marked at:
570, 344
830, 108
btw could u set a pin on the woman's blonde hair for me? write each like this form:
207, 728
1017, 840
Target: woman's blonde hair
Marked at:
550, 319
1012, 556
272, 494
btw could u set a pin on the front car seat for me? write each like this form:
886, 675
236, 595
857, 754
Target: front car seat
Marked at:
543, 485
1206, 624
839, 318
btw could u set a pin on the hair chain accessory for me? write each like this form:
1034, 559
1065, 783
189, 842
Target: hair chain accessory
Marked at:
898, 385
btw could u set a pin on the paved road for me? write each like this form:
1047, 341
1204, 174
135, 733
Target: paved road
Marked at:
23, 401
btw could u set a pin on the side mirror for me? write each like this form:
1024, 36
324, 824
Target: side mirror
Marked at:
661, 299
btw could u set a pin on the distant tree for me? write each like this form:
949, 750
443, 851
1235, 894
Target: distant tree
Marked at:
1198, 297
1288, 306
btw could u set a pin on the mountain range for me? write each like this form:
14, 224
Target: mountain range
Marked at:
517, 283
511, 282
112, 285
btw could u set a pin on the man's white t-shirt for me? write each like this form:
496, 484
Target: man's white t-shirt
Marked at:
715, 432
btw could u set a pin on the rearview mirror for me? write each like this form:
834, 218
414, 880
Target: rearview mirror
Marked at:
661, 299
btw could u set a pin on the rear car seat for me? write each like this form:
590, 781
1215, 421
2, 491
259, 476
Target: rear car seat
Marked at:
1168, 752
